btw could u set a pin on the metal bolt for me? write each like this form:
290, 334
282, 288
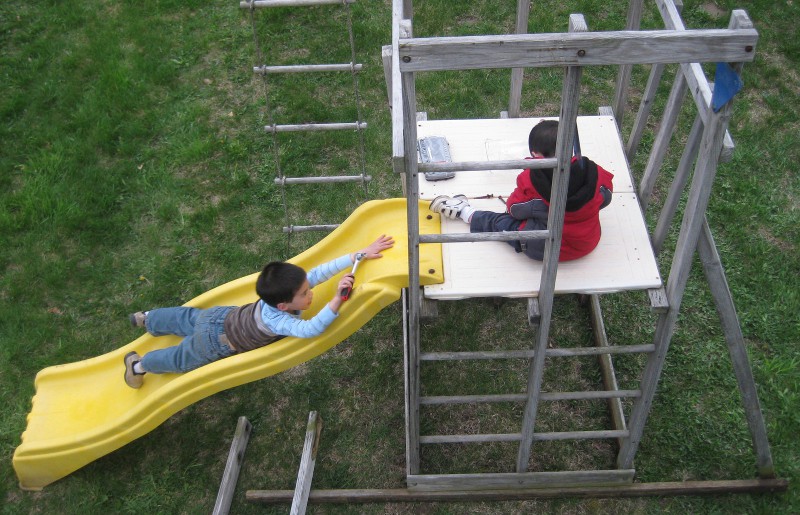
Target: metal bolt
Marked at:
429, 217
406, 59
748, 48
431, 271
581, 53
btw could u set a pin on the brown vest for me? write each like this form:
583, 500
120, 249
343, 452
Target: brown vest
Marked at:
246, 331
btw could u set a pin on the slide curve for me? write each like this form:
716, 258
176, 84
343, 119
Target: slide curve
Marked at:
82, 411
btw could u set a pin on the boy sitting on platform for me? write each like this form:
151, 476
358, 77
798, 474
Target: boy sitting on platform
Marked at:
527, 208
284, 291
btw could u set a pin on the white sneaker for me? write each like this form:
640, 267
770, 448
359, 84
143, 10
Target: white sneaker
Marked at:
450, 207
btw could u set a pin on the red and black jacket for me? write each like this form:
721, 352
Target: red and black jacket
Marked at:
584, 201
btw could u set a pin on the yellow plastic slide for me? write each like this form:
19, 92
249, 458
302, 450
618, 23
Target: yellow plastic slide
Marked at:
82, 411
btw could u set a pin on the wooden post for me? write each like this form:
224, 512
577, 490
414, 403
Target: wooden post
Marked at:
306, 471
691, 227
678, 185
569, 114
715, 274
663, 137
409, 98
232, 467
624, 76
656, 71
515, 96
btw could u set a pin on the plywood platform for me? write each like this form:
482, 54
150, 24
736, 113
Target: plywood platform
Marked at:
623, 260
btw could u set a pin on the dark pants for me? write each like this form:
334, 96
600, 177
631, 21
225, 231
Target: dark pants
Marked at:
489, 221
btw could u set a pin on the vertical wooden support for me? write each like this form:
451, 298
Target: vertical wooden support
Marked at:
691, 228
232, 467
412, 194
386, 59
663, 137
656, 71
306, 471
624, 76
606, 365
515, 96
569, 114
715, 274
678, 185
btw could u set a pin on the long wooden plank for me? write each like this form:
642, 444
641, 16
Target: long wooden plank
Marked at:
233, 465
607, 366
307, 462
515, 94
409, 109
520, 480
577, 49
715, 274
691, 228
386, 495
521, 397
663, 137
570, 95
632, 22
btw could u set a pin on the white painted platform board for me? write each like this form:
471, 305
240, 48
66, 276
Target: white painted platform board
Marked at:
623, 260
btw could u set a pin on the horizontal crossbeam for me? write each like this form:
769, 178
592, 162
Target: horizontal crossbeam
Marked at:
520, 492
574, 351
577, 49
521, 397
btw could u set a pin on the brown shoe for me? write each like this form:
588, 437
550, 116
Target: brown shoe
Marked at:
137, 319
132, 379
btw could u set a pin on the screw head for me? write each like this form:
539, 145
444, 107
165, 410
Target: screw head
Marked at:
406, 59
581, 53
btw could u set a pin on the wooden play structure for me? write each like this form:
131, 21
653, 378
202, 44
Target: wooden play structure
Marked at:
487, 154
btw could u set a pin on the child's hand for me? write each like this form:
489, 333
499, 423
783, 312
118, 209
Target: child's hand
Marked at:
374, 249
345, 285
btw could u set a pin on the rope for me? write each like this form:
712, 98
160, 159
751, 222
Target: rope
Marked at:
271, 123
356, 93
281, 177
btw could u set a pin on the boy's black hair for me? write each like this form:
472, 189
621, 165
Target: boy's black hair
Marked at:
542, 138
279, 282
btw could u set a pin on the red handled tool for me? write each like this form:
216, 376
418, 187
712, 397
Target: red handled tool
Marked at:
345, 293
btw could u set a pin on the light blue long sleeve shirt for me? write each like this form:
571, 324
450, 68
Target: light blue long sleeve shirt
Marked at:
290, 324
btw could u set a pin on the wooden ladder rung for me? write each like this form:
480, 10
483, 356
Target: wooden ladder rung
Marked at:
502, 437
516, 354
317, 180
596, 351
454, 356
521, 397
470, 399
316, 127
515, 437
579, 435
256, 4
308, 68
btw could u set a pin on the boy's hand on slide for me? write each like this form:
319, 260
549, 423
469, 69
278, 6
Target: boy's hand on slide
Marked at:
374, 249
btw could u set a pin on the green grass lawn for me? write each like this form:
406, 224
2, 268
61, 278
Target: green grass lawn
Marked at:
134, 174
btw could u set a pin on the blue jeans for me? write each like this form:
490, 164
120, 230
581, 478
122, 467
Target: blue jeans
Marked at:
489, 221
202, 329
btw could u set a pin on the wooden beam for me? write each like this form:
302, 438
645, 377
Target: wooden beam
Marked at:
232, 467
748, 486
577, 49
307, 462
